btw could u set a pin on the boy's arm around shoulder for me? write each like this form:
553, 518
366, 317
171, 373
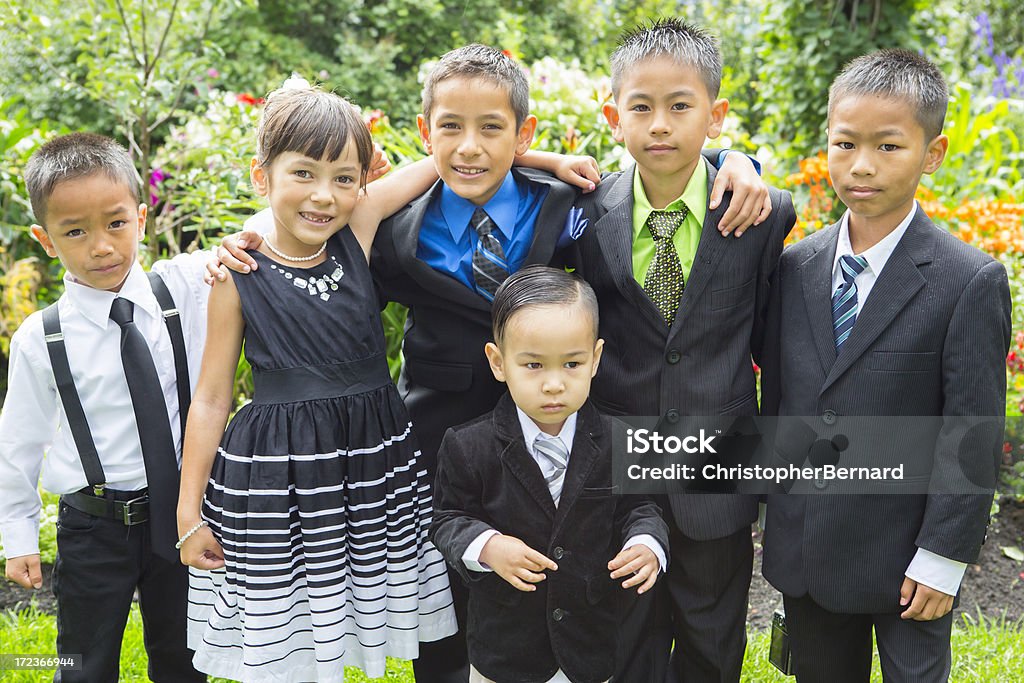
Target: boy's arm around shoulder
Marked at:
387, 196
28, 424
974, 391
778, 226
458, 509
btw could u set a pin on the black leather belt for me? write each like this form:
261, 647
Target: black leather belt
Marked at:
128, 512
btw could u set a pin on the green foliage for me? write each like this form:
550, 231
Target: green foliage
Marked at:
984, 157
803, 45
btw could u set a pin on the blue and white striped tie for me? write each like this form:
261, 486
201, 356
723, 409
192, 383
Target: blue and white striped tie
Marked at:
844, 301
490, 268
553, 450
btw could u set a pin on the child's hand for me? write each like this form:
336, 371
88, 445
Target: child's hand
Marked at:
379, 164
750, 203
641, 562
202, 551
231, 254
516, 562
579, 171
25, 571
926, 604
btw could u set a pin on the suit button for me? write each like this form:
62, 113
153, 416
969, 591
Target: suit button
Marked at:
558, 553
672, 416
828, 417
557, 614
673, 356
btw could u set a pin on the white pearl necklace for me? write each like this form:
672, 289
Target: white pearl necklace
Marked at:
295, 259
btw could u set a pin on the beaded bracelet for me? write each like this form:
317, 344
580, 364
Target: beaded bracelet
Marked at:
197, 527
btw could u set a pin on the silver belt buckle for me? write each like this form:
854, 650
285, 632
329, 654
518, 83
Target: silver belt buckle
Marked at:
129, 515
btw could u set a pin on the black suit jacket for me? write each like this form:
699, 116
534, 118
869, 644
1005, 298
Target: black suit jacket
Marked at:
930, 340
487, 479
445, 378
702, 364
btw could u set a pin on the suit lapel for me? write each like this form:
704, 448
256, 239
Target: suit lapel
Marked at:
816, 281
584, 456
898, 283
710, 249
614, 233
406, 235
552, 216
517, 458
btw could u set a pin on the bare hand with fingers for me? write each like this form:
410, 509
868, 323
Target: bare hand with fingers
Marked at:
516, 562
202, 551
640, 564
926, 604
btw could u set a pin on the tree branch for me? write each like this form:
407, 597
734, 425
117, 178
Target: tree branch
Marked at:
167, 29
128, 34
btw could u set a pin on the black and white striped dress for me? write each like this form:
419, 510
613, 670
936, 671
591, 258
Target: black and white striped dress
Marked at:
316, 494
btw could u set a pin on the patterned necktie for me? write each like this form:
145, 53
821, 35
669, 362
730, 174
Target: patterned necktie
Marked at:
489, 266
553, 450
158, 454
665, 282
844, 301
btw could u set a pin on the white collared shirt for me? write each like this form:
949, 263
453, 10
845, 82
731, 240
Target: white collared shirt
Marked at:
33, 423
928, 568
471, 557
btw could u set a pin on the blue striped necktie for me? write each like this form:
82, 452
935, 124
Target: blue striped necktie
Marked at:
844, 301
553, 450
489, 266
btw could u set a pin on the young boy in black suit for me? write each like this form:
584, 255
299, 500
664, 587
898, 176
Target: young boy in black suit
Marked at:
524, 508
99, 385
884, 314
682, 312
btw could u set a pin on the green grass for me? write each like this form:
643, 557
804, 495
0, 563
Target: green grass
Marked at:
984, 650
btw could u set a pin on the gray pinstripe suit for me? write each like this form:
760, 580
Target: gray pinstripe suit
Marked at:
930, 340
701, 365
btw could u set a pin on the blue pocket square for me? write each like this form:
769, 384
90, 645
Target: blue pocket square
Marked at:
575, 225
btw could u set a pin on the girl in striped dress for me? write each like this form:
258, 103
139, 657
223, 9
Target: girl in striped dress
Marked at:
313, 504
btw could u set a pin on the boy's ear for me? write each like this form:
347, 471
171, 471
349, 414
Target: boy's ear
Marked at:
719, 108
424, 126
497, 363
525, 137
611, 115
258, 176
598, 350
43, 237
143, 209
935, 153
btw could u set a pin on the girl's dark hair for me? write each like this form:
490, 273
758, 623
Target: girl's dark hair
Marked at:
540, 286
312, 122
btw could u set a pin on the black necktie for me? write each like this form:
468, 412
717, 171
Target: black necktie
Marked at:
489, 266
154, 430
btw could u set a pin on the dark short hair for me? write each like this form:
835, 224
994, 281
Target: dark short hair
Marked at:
312, 122
479, 61
686, 44
73, 156
901, 75
540, 286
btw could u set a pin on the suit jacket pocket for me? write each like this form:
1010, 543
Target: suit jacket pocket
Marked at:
744, 405
728, 297
439, 375
597, 492
900, 361
496, 589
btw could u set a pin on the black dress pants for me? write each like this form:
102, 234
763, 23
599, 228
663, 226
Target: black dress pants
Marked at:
100, 562
447, 660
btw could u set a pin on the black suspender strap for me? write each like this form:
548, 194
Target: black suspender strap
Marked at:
173, 321
69, 398
69, 394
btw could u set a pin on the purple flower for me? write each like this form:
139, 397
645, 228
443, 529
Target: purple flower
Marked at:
156, 176
983, 33
212, 73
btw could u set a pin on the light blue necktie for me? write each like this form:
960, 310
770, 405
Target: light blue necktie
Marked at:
553, 450
844, 301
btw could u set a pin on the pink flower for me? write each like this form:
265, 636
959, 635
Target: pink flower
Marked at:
212, 73
156, 176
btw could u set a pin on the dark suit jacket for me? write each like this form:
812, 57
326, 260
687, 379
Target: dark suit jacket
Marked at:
445, 378
930, 340
488, 479
702, 364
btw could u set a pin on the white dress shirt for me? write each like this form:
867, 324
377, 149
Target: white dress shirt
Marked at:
928, 568
471, 557
33, 423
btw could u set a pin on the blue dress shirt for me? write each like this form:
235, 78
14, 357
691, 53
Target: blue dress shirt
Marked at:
446, 241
